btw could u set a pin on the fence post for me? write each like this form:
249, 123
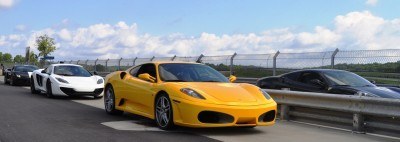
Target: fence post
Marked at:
333, 57
77, 62
231, 65
107, 65
358, 123
119, 64
152, 58
86, 66
134, 61
285, 112
70, 62
199, 59
173, 58
274, 63
95, 64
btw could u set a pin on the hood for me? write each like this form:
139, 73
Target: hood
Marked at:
79, 80
25, 74
379, 91
228, 93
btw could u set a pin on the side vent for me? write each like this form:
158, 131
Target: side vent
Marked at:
121, 102
122, 75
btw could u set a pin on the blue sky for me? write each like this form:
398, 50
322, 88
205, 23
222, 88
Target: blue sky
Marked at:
189, 17
105, 28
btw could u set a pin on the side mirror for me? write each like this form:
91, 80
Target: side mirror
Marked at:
232, 78
43, 71
95, 73
147, 77
373, 81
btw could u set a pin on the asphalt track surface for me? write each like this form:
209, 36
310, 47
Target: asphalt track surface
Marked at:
34, 118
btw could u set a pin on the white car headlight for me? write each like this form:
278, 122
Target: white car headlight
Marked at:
19, 76
100, 81
192, 93
62, 80
266, 95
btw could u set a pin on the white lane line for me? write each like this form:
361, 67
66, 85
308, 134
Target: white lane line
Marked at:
130, 126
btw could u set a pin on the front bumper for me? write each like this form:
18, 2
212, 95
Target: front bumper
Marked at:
194, 114
23, 80
70, 90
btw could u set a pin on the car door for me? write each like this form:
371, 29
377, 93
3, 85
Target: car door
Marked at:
305, 82
44, 76
140, 93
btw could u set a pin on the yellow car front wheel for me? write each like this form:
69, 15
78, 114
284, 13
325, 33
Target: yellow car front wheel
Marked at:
109, 101
163, 112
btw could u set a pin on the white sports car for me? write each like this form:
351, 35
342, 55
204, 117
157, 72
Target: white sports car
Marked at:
66, 80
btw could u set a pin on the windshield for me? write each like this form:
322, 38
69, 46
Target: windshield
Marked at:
25, 68
71, 71
345, 78
180, 72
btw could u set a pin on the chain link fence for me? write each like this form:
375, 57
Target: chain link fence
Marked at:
382, 66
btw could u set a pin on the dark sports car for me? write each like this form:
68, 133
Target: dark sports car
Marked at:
19, 75
328, 81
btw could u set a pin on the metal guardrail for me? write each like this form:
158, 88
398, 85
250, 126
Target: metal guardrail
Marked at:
359, 113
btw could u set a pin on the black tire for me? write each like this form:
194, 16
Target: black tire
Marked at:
49, 92
12, 83
109, 101
33, 90
163, 112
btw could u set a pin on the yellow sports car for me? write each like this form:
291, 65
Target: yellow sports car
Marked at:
187, 94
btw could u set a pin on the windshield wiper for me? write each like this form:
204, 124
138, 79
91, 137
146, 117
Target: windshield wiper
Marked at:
65, 74
211, 81
175, 80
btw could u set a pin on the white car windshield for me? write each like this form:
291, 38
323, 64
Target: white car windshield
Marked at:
71, 71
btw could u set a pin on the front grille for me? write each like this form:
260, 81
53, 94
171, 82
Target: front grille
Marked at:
214, 117
72, 92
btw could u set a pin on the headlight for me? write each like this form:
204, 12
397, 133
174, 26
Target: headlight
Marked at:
100, 81
366, 94
18, 75
62, 80
266, 95
192, 93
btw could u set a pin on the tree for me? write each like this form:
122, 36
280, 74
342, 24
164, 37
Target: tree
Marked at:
32, 57
1, 56
19, 59
7, 57
45, 45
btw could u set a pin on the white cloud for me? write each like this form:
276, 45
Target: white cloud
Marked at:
352, 31
371, 2
6, 3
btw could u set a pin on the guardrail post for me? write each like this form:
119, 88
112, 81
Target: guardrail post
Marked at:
152, 58
119, 64
284, 112
173, 58
95, 64
70, 62
107, 65
134, 61
358, 123
77, 62
231, 65
333, 57
199, 59
274, 63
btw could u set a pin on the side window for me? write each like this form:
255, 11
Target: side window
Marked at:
49, 69
308, 77
292, 76
134, 71
147, 68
